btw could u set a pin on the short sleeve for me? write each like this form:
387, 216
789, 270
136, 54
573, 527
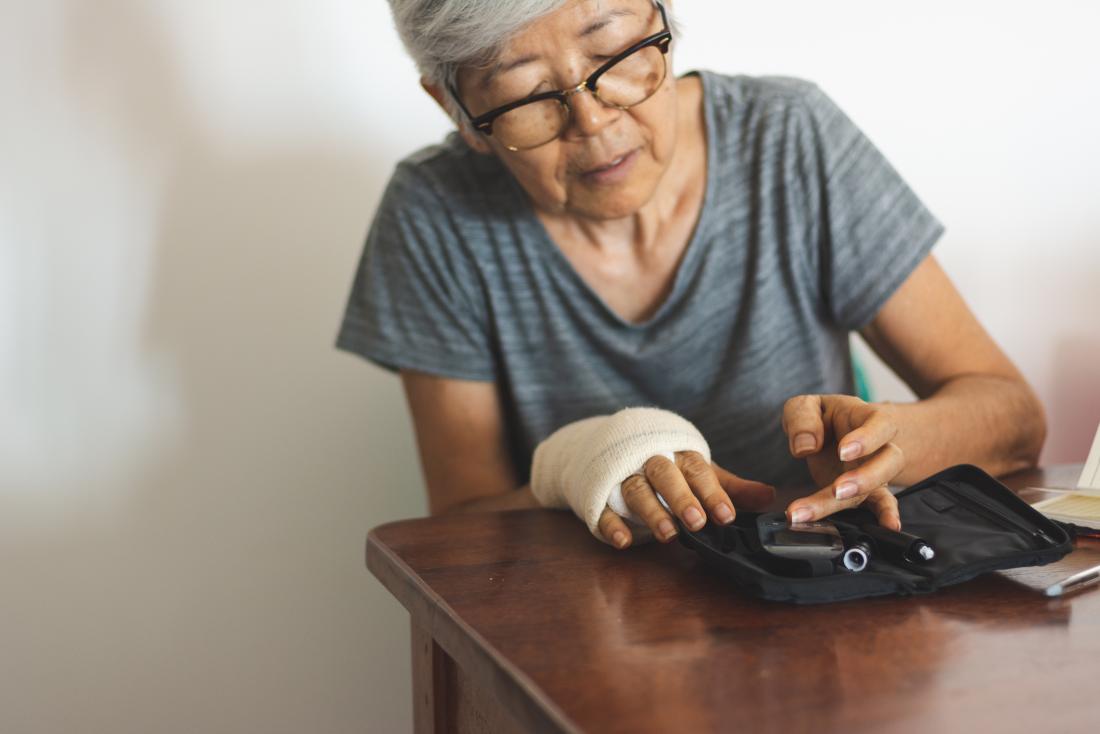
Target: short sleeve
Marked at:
872, 230
411, 304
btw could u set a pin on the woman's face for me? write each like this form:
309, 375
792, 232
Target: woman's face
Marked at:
607, 162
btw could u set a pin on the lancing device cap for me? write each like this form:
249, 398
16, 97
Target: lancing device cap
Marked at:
855, 558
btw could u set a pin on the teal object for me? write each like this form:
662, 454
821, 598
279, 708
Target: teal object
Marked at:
863, 385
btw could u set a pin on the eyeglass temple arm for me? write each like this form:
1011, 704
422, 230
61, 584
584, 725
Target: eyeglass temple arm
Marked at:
454, 93
661, 7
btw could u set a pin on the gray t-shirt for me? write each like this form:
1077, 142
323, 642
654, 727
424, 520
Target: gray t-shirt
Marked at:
805, 231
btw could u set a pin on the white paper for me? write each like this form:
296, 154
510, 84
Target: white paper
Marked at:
1090, 476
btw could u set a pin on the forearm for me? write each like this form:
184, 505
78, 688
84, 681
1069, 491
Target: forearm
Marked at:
520, 499
993, 422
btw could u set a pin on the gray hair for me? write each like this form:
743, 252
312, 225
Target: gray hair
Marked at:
444, 35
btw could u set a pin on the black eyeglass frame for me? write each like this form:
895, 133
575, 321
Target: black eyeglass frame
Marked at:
484, 123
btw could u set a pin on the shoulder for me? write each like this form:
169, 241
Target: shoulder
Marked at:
447, 179
745, 91
748, 88
757, 117
766, 102
443, 202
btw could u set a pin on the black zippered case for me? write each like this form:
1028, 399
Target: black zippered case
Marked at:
974, 523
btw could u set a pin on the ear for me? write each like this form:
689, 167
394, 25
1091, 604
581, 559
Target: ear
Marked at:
473, 138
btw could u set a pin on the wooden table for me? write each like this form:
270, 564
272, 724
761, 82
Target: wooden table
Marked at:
521, 621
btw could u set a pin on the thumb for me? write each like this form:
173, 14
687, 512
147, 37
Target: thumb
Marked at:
744, 493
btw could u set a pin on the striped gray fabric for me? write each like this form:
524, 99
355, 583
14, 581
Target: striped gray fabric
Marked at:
806, 230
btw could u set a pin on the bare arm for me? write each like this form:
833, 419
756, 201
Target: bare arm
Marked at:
974, 405
460, 435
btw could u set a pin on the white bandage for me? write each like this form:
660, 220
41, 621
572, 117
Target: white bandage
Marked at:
583, 464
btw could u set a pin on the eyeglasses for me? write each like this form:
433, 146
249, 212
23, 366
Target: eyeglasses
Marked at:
627, 79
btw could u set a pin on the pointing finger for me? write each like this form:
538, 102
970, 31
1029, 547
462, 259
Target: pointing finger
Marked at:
875, 431
803, 424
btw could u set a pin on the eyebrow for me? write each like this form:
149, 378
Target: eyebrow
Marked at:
499, 68
599, 24
605, 21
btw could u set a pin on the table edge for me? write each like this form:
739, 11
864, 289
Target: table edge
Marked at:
506, 681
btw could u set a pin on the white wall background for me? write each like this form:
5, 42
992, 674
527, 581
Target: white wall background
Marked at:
188, 469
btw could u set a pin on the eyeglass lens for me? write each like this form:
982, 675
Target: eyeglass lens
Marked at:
631, 81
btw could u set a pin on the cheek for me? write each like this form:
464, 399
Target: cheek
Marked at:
661, 127
541, 173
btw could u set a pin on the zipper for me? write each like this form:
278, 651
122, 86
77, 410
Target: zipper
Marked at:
996, 513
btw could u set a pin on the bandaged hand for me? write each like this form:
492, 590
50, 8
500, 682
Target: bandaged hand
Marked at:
623, 474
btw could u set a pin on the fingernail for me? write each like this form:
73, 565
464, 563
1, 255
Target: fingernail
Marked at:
666, 528
694, 518
850, 451
804, 442
846, 490
802, 514
619, 539
724, 513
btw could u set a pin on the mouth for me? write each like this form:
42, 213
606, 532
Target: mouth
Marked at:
611, 170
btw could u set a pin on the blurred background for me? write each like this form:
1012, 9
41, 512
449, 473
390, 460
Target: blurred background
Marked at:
188, 469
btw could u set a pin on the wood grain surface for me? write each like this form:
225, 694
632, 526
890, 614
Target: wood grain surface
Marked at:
568, 634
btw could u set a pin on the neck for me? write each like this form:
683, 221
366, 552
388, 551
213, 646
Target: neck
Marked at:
639, 233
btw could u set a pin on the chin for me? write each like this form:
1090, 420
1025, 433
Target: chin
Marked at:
617, 208
612, 202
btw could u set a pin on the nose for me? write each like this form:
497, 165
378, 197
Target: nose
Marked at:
587, 114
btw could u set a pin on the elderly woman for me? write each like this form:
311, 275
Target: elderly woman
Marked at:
631, 293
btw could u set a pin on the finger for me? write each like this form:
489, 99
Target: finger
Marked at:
874, 428
882, 468
700, 476
745, 493
642, 501
669, 481
613, 529
803, 424
885, 506
818, 505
